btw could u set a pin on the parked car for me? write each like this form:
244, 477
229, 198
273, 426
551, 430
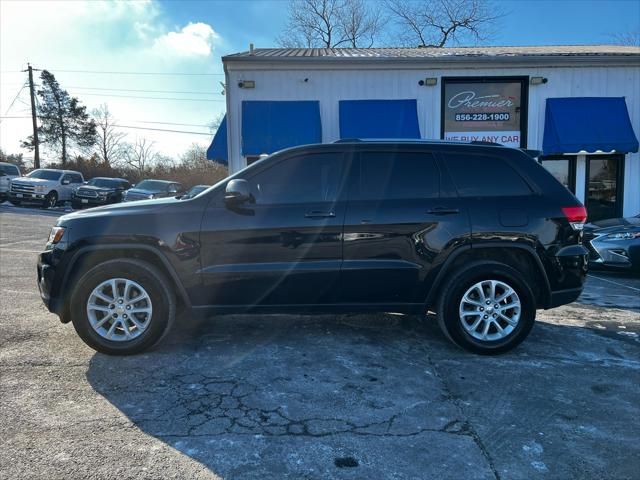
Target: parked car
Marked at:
482, 235
45, 186
8, 171
148, 189
100, 191
193, 191
614, 243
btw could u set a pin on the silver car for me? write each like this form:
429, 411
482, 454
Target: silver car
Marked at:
614, 243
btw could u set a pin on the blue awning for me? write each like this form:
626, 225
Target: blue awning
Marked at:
588, 124
217, 151
269, 126
379, 119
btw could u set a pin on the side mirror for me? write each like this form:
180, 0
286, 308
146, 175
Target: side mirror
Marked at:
237, 192
173, 190
66, 181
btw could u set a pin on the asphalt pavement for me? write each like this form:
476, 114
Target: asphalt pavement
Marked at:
332, 396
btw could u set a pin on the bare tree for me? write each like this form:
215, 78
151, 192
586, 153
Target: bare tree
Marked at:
437, 23
215, 123
110, 140
140, 155
329, 24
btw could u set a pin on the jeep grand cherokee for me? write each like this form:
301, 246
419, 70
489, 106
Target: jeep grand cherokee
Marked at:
482, 235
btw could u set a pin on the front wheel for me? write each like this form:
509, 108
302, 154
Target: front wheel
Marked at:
122, 307
51, 200
486, 308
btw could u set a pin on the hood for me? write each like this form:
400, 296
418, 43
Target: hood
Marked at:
119, 209
35, 181
96, 189
613, 224
141, 191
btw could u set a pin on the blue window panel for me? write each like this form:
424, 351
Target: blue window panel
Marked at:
379, 119
269, 126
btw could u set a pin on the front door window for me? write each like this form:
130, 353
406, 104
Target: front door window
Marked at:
603, 189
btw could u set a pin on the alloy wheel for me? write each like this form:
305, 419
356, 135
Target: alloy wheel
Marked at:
490, 310
119, 309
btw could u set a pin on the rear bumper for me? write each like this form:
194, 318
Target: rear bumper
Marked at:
563, 297
567, 275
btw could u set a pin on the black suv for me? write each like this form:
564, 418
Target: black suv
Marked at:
99, 191
482, 235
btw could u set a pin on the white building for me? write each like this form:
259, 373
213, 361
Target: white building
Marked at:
580, 105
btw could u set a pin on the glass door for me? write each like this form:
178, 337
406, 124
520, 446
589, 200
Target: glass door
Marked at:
604, 186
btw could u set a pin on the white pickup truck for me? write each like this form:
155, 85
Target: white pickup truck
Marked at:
45, 186
8, 171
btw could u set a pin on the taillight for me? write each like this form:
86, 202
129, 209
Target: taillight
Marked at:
577, 216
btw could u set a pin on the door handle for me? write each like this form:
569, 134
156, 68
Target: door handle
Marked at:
443, 211
319, 214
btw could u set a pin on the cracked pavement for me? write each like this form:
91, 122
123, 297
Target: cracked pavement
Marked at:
331, 396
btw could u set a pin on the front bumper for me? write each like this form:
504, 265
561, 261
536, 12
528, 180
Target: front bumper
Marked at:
27, 197
622, 255
94, 201
49, 279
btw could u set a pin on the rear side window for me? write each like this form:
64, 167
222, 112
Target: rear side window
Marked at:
395, 175
9, 170
484, 176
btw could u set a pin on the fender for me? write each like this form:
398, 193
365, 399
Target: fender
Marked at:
125, 246
446, 267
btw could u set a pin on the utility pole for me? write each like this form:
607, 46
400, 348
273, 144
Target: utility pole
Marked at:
34, 121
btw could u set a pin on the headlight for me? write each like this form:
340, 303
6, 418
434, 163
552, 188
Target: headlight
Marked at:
102, 194
39, 188
56, 235
622, 236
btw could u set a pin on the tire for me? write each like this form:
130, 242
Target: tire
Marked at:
507, 327
160, 306
51, 200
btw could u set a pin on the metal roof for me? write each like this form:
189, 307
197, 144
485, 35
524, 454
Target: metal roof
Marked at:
458, 53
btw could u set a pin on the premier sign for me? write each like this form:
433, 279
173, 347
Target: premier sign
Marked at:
484, 109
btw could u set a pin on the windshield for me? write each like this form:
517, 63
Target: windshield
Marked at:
9, 170
45, 174
197, 189
152, 185
105, 182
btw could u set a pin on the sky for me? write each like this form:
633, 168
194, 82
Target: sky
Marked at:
156, 63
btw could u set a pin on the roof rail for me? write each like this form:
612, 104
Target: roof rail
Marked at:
348, 140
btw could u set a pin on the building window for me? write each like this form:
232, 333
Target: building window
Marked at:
603, 190
487, 109
563, 168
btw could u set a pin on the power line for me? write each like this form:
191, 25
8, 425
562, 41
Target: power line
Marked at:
15, 98
139, 121
154, 98
144, 91
161, 130
136, 73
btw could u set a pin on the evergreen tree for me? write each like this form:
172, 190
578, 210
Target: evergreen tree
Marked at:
64, 122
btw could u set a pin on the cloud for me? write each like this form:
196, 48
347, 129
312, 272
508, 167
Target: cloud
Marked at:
196, 39
73, 38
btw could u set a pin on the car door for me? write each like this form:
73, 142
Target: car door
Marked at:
284, 249
397, 227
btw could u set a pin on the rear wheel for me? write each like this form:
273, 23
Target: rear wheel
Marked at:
486, 308
122, 307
